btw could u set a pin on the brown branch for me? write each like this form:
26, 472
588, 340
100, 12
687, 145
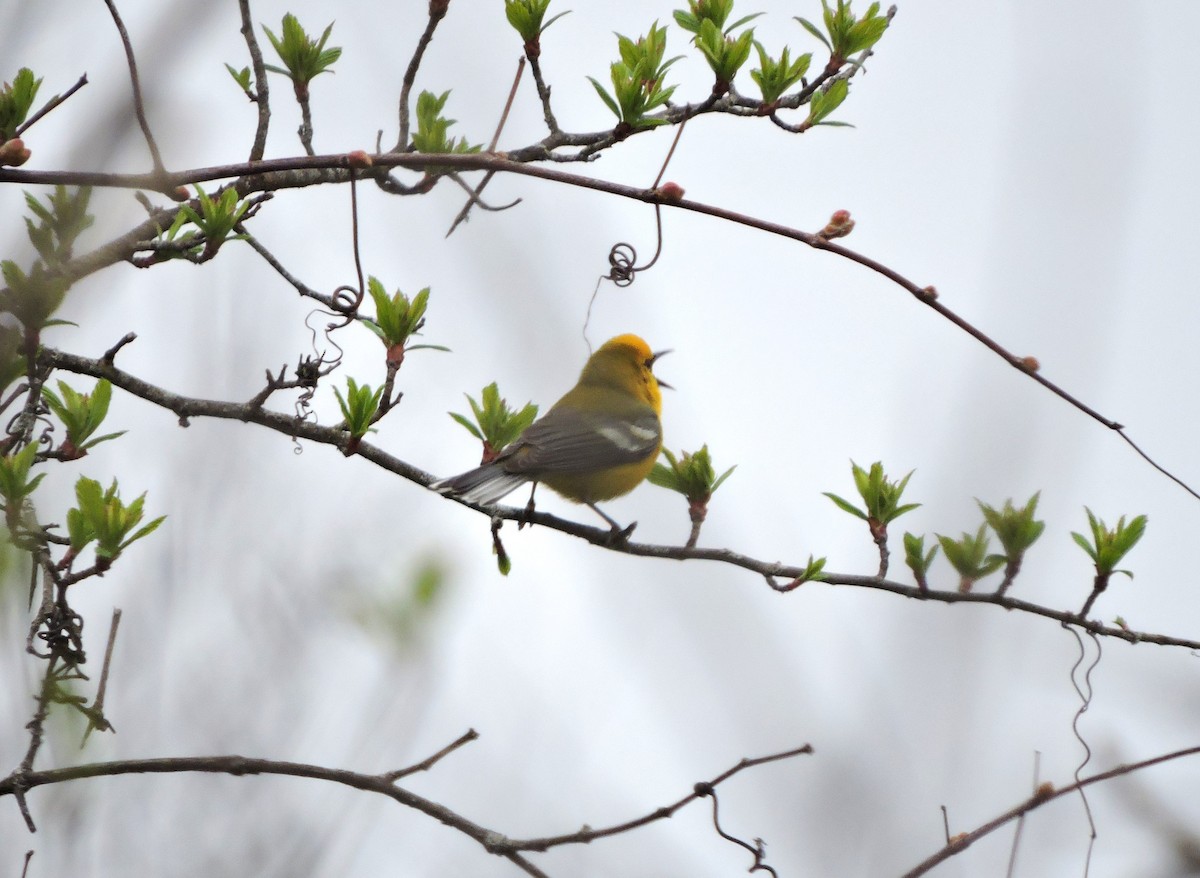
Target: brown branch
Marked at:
699, 791
50, 105
139, 105
302, 288
1040, 797
262, 97
187, 407
425, 764
36, 727
305, 132
437, 11
95, 714
473, 195
240, 765
382, 784
282, 173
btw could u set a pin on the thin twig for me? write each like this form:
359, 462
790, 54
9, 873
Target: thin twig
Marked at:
95, 713
50, 105
437, 11
588, 835
1043, 795
111, 353
36, 727
262, 95
138, 104
305, 132
302, 288
512, 93
426, 764
474, 199
543, 90
241, 765
1016, 843
670, 154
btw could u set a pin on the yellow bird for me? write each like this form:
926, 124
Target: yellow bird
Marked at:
598, 442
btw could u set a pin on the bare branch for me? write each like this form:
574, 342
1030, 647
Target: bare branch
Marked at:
700, 790
467, 737
50, 105
139, 105
487, 178
17, 784
275, 174
262, 95
1041, 796
437, 11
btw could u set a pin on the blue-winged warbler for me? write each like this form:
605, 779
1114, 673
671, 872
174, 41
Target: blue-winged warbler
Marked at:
598, 442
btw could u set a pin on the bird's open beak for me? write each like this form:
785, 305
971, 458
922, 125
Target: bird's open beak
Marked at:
653, 360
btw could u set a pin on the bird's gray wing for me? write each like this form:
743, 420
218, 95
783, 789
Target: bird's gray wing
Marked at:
568, 440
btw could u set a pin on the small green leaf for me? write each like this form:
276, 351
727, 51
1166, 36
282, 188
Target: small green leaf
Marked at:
690, 474
826, 101
16, 100
303, 57
498, 424
814, 30
241, 77
102, 517
359, 407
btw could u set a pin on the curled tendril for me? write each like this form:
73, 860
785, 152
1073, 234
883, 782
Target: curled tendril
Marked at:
622, 256
345, 301
330, 328
310, 370
62, 632
758, 849
621, 259
45, 437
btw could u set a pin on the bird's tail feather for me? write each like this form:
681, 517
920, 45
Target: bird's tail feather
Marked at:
483, 486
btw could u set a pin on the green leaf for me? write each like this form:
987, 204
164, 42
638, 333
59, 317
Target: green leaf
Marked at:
637, 79
303, 57
1109, 546
826, 101
606, 97
16, 100
814, 30
432, 134
690, 474
496, 424
527, 17
846, 506
773, 77
359, 407
969, 556
101, 516
81, 414
241, 77
32, 298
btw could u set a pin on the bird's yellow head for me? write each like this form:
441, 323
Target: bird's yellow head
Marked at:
624, 363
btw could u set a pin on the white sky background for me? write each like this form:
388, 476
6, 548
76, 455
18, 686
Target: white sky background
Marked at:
1034, 161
